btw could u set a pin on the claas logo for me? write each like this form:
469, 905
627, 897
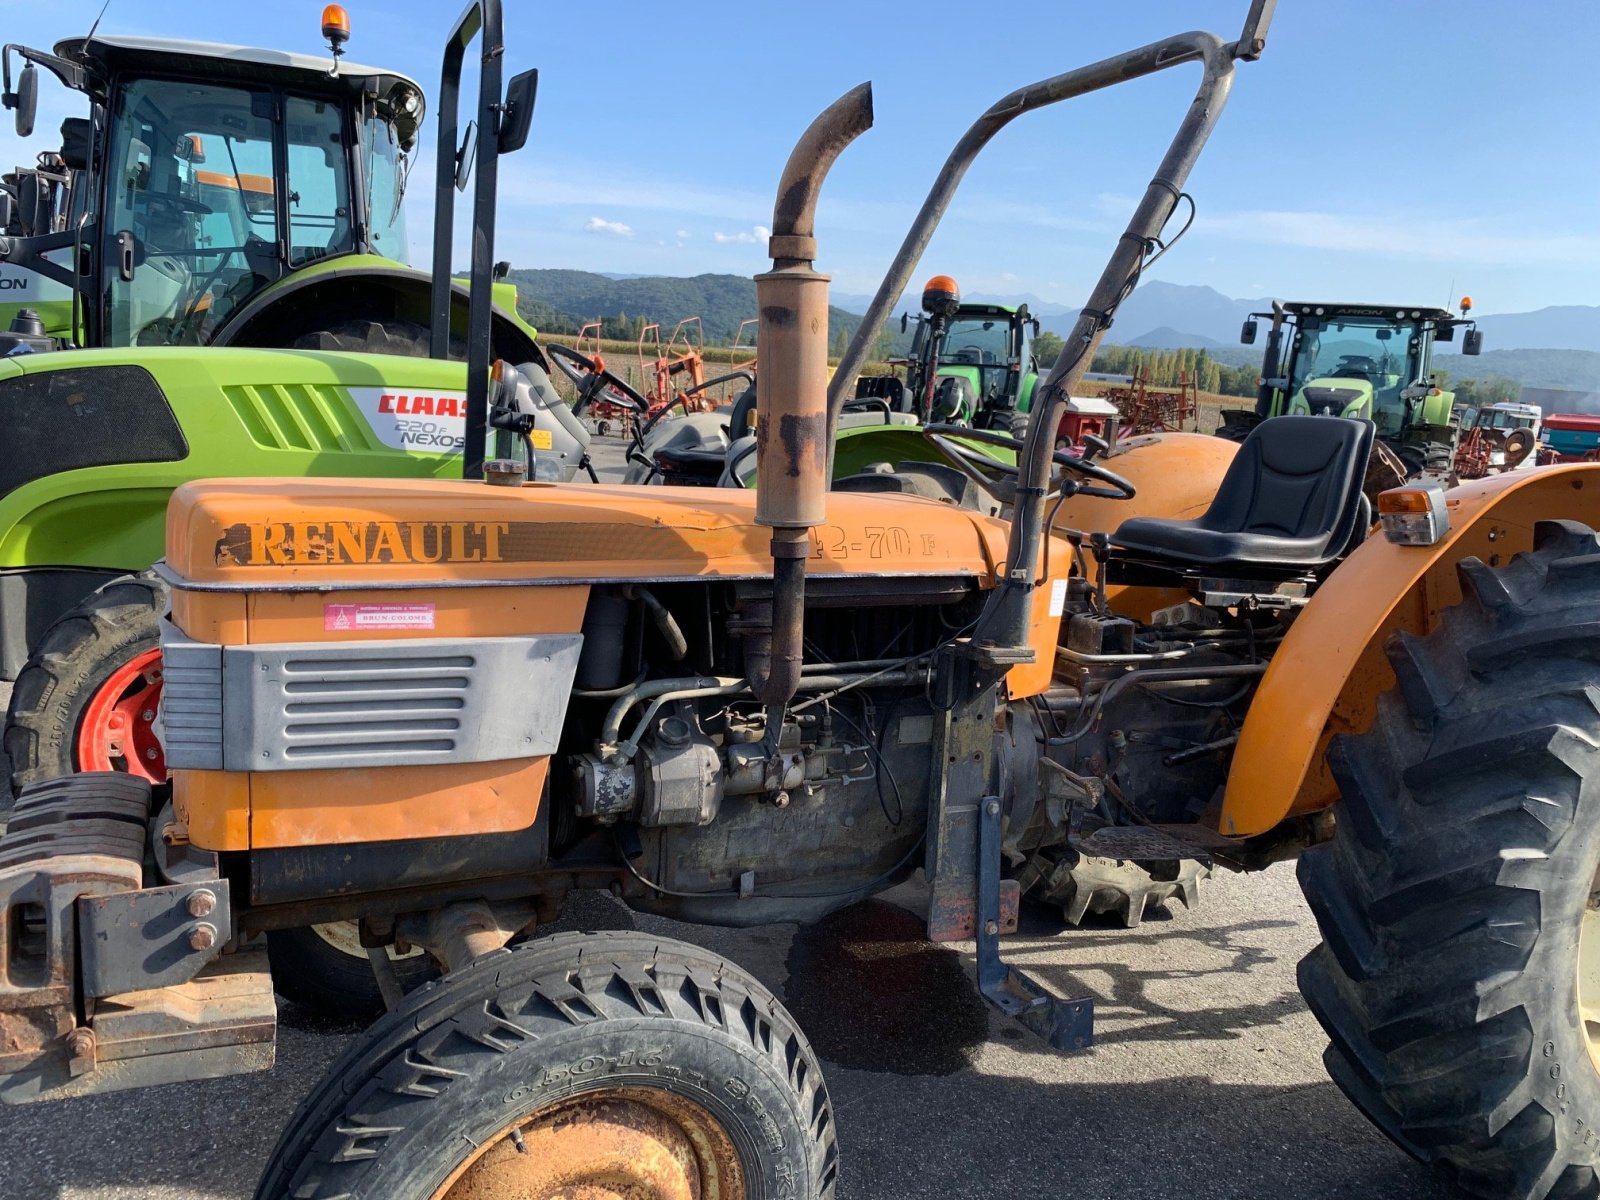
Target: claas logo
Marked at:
423, 406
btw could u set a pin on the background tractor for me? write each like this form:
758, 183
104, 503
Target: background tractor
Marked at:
969, 363
1497, 437
1365, 361
220, 195
436, 708
97, 439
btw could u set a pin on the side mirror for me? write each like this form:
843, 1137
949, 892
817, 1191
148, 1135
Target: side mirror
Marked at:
905, 319
466, 156
1034, 323
518, 115
502, 269
1247, 335
25, 100
1472, 342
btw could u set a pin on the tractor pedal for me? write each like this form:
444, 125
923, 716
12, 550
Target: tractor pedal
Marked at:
1153, 843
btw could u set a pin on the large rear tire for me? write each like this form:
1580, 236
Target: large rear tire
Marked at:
405, 339
1461, 945
598, 1064
86, 700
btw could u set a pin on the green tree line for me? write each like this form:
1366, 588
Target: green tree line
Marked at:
1166, 367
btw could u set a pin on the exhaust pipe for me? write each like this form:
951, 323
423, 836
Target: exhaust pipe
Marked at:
792, 398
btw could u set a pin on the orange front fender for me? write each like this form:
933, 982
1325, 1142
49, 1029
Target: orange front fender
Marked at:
1330, 670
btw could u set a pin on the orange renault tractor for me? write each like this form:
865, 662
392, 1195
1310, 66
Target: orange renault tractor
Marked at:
436, 708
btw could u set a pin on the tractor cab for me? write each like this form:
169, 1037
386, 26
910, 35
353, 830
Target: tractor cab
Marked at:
1369, 362
1503, 416
969, 363
203, 175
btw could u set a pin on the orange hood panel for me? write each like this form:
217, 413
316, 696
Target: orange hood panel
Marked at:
286, 532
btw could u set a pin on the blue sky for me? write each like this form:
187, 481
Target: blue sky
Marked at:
1379, 150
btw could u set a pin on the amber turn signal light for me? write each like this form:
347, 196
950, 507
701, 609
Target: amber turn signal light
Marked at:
1414, 515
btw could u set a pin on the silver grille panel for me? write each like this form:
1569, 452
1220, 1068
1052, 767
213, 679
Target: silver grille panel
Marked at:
305, 706
191, 701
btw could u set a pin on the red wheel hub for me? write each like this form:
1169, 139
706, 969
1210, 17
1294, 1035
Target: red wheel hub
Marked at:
118, 729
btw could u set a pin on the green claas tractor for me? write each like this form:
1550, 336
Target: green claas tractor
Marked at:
259, 245
221, 200
98, 439
969, 363
216, 195
1366, 361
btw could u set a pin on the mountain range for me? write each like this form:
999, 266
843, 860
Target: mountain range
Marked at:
1170, 316
1558, 346
561, 302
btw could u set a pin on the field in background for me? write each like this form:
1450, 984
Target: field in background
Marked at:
622, 358
1210, 404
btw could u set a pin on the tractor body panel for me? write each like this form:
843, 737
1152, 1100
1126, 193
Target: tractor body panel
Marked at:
1327, 675
239, 533
21, 289
426, 570
98, 440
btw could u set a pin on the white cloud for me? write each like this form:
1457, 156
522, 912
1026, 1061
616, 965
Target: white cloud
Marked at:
614, 228
682, 235
1417, 237
745, 237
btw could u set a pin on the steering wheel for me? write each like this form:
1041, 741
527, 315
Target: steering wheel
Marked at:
179, 203
977, 465
593, 381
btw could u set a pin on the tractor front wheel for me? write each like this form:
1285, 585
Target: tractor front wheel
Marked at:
325, 968
603, 1065
1459, 975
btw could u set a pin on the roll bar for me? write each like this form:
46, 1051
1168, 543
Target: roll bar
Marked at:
1005, 622
501, 128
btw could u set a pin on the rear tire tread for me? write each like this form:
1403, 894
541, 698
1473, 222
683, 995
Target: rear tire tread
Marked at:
1450, 897
50, 692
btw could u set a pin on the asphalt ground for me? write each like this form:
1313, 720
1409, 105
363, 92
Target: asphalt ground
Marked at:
1206, 1080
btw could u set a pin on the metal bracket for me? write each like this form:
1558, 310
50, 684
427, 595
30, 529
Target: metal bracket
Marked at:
151, 937
1065, 1024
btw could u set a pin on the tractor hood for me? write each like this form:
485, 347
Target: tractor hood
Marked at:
274, 534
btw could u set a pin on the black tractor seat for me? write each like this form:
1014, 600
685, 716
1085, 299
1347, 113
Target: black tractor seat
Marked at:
1289, 506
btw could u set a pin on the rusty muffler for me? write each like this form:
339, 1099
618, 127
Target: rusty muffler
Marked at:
792, 398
